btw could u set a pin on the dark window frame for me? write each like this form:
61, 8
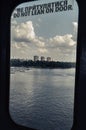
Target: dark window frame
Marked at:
6, 122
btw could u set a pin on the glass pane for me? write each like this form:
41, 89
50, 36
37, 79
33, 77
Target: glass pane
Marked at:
42, 64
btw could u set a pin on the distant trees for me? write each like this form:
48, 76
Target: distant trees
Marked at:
41, 64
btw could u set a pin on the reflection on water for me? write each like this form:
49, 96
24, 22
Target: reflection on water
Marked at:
42, 98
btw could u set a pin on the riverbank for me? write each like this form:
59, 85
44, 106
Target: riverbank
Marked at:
41, 64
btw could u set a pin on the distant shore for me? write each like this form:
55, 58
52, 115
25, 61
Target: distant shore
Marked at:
41, 64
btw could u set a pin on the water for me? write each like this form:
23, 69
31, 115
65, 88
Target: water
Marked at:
42, 98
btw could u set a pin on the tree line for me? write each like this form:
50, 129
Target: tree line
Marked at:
41, 64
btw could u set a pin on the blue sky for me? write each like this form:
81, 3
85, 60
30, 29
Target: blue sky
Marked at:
46, 35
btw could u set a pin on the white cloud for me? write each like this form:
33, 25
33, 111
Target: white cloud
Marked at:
38, 42
42, 50
17, 46
24, 32
25, 39
64, 41
75, 25
75, 30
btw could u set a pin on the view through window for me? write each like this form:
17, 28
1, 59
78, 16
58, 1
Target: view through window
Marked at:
42, 64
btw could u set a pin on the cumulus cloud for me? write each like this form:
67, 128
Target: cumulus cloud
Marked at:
24, 32
25, 39
62, 41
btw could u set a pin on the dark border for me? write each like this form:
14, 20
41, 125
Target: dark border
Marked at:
80, 82
6, 9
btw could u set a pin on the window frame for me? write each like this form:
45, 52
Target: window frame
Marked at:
6, 122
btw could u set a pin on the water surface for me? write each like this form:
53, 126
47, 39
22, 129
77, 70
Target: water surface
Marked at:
42, 98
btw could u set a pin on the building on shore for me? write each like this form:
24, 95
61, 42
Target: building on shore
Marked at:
36, 58
48, 59
42, 58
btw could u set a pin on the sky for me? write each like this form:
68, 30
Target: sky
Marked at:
50, 35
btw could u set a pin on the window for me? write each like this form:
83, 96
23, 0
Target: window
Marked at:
80, 80
42, 64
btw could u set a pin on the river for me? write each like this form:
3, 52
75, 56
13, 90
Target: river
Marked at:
42, 98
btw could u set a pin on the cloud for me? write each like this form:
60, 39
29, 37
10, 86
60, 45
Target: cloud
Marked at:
39, 42
16, 46
42, 50
75, 30
62, 41
24, 32
75, 25
25, 39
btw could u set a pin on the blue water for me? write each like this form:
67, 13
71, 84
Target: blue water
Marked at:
42, 98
